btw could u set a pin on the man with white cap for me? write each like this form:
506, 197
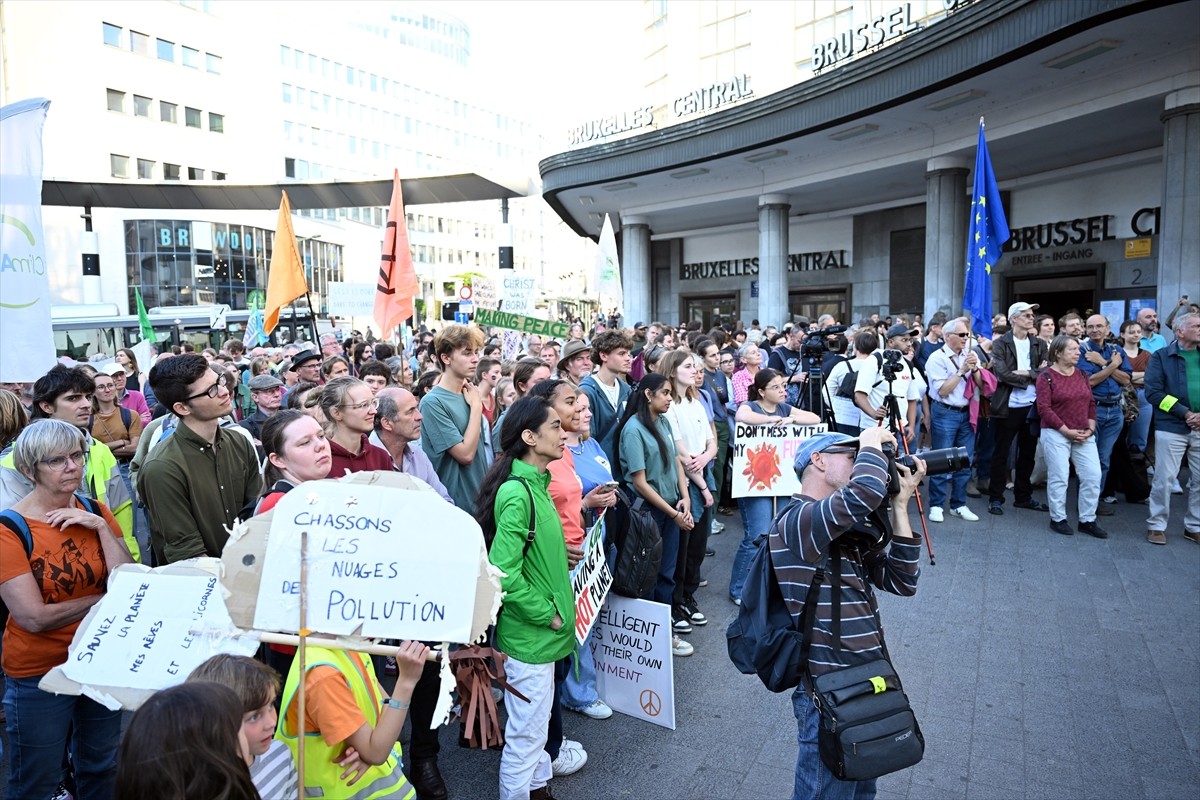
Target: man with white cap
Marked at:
1018, 357
841, 505
871, 388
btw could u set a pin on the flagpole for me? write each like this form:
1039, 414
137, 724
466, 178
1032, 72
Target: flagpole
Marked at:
312, 315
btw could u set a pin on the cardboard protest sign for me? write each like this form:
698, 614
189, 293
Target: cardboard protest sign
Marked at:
381, 563
632, 649
150, 631
763, 456
591, 580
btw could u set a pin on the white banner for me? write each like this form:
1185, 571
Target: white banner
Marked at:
381, 563
350, 299
763, 456
25, 327
608, 268
146, 632
632, 650
519, 292
591, 580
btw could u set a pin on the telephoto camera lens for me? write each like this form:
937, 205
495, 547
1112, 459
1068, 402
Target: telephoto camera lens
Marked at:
939, 462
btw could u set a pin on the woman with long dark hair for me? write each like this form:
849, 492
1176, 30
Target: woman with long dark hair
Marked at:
537, 625
186, 742
645, 457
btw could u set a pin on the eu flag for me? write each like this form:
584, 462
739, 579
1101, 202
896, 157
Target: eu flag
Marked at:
986, 234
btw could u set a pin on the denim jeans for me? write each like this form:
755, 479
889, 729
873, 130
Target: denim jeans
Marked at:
756, 518
814, 781
579, 691
1109, 421
1061, 453
951, 428
38, 727
664, 587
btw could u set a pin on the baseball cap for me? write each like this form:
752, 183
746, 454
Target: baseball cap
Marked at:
112, 369
817, 444
899, 330
260, 382
639, 325
1021, 308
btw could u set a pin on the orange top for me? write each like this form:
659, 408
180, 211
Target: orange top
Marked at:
566, 490
66, 564
329, 705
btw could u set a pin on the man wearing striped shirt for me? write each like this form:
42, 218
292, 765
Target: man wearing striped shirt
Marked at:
843, 482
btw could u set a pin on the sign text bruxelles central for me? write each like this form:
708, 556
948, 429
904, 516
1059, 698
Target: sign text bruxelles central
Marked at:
732, 268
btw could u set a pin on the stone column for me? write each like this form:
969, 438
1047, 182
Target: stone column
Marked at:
946, 209
1179, 236
635, 269
772, 260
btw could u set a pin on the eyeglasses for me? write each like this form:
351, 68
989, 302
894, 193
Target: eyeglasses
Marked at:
726, 360
374, 403
107, 387
59, 463
211, 392
843, 451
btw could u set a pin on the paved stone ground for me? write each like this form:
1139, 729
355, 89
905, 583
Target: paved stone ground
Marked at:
1039, 666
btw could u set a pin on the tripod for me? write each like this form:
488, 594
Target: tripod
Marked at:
895, 423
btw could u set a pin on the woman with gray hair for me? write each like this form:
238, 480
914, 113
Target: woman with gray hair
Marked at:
54, 565
751, 356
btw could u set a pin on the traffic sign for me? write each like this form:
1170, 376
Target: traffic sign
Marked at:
462, 317
464, 293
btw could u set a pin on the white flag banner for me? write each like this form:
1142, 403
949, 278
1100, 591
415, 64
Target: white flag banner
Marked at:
25, 327
608, 268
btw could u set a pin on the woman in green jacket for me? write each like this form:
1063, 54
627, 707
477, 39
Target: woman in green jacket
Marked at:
536, 626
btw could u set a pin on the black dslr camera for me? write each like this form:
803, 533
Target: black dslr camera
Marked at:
892, 365
937, 462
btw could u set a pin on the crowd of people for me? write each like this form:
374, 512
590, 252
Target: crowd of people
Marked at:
153, 463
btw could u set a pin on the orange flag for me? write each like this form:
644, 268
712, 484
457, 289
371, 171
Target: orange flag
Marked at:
398, 285
285, 275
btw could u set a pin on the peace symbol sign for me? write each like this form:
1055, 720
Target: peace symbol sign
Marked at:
650, 702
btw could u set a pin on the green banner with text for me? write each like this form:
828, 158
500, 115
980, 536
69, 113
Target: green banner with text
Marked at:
516, 322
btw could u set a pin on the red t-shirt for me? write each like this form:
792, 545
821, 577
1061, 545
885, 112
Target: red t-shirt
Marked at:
369, 457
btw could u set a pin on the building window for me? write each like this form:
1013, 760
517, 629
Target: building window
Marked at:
170, 172
212, 63
112, 34
216, 122
191, 57
167, 112
139, 42
195, 174
191, 117
166, 51
141, 106
119, 164
287, 93
285, 54
145, 169
218, 176
116, 101
289, 168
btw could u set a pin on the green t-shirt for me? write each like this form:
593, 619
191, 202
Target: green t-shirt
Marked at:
640, 452
444, 420
1191, 363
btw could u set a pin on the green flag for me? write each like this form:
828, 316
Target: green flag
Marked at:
144, 318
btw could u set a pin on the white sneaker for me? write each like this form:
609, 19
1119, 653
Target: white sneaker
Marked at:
571, 744
935, 514
717, 526
1176, 488
569, 761
681, 648
962, 512
597, 710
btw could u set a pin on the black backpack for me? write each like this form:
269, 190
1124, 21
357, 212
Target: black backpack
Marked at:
763, 639
632, 528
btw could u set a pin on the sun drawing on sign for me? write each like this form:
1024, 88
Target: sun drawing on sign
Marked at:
762, 466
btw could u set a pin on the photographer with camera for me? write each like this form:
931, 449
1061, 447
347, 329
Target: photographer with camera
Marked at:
842, 507
890, 373
786, 360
